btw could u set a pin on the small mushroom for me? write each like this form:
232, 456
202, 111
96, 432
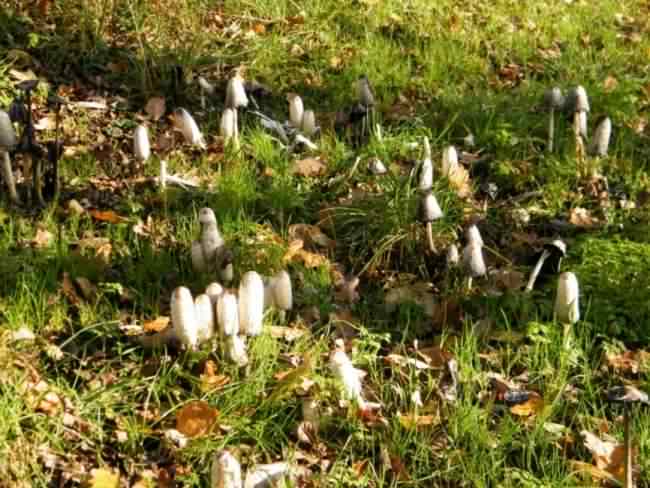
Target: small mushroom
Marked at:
627, 395
204, 317
184, 321
266, 475
348, 375
473, 262
426, 171
600, 142
364, 92
556, 249
235, 99
228, 314
282, 292
141, 145
430, 210
207, 250
7, 141
567, 309
236, 349
227, 125
309, 123
453, 258
578, 103
214, 291
473, 235
553, 100
226, 271
296, 110
376, 167
251, 304
225, 471
189, 128
206, 88
449, 161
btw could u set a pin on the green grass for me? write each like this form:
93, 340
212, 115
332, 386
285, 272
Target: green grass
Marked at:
455, 68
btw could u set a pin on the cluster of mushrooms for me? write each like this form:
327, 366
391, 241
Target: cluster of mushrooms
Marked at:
226, 472
236, 314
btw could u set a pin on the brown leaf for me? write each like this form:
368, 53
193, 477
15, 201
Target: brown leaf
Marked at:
309, 167
295, 253
607, 455
42, 239
593, 473
156, 325
88, 290
196, 419
311, 235
104, 478
210, 380
508, 279
108, 216
155, 107
436, 356
532, 406
581, 217
68, 289
414, 421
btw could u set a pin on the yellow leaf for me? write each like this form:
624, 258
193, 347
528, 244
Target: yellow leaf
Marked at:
532, 406
107, 216
157, 324
309, 167
104, 478
196, 419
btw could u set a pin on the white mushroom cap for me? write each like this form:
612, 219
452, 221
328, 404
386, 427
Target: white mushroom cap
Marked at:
348, 375
251, 303
567, 308
226, 471
554, 99
364, 92
453, 257
189, 128
141, 146
183, 315
236, 348
296, 110
228, 314
425, 182
600, 141
214, 291
236, 93
266, 475
309, 123
449, 161
473, 235
227, 126
282, 291
429, 207
205, 85
7, 132
204, 317
473, 260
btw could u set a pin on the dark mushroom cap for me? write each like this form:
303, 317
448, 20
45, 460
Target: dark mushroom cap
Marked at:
556, 247
366, 97
553, 98
627, 394
27, 85
228, 258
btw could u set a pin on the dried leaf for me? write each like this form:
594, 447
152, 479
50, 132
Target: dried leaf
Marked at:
68, 289
196, 419
42, 239
595, 474
210, 380
155, 107
104, 478
610, 84
414, 421
296, 253
309, 167
581, 217
108, 216
630, 362
532, 406
311, 235
156, 325
607, 455
88, 290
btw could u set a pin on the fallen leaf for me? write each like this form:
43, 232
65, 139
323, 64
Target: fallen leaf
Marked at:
459, 180
210, 380
610, 84
508, 279
311, 235
594, 474
435, 356
68, 289
295, 253
88, 290
104, 478
581, 217
630, 362
289, 334
108, 216
532, 406
42, 239
403, 361
155, 107
414, 421
607, 455
309, 167
196, 419
156, 325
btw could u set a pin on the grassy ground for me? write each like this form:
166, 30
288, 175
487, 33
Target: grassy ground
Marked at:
85, 395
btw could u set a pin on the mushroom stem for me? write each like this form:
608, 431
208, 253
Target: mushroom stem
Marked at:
8, 176
38, 181
580, 145
469, 283
537, 269
202, 98
629, 482
432, 247
236, 112
551, 130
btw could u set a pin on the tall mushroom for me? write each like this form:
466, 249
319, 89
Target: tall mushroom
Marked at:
348, 375
579, 103
567, 309
227, 127
141, 145
204, 317
473, 262
600, 141
7, 141
296, 110
449, 161
235, 99
206, 88
309, 123
282, 293
184, 321
553, 100
426, 171
189, 128
207, 250
251, 303
228, 314
430, 210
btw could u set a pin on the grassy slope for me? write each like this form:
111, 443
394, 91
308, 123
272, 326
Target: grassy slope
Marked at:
479, 68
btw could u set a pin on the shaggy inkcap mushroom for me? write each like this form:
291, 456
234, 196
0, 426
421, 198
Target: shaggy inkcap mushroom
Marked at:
227, 126
226, 471
214, 291
188, 127
449, 161
473, 260
226, 272
600, 141
309, 123
184, 321
473, 235
141, 146
376, 167
453, 258
228, 314
7, 141
348, 375
567, 309
204, 317
430, 211
364, 92
207, 250
578, 103
206, 88
553, 100
236, 93
236, 349
282, 291
266, 475
426, 171
296, 110
555, 249
627, 395
251, 303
